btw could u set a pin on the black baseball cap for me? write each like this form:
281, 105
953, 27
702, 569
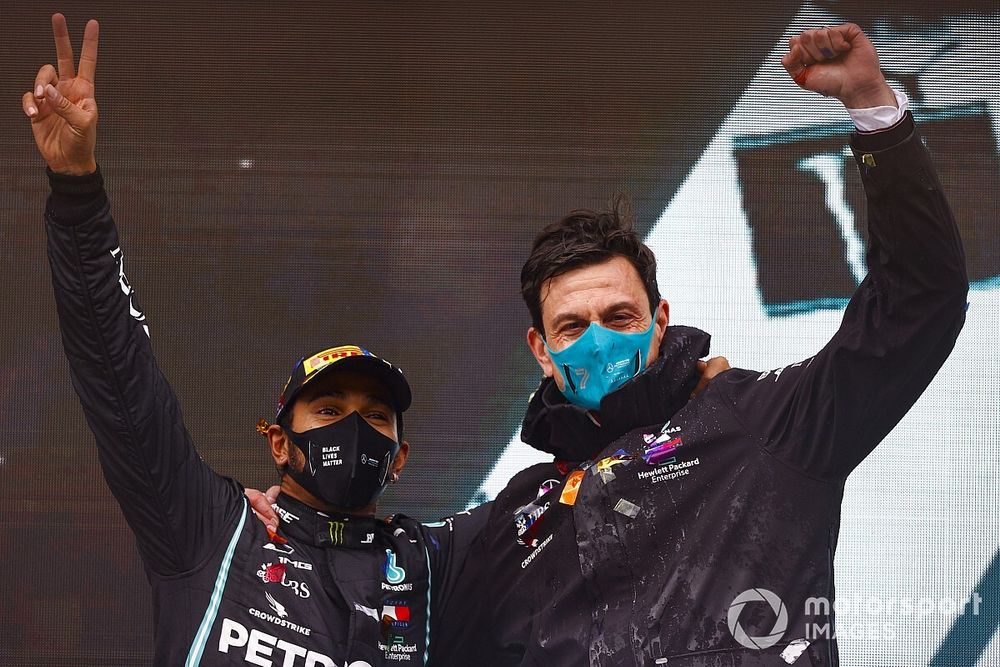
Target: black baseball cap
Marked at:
344, 358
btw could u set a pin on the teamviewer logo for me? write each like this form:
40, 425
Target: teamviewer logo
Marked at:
780, 618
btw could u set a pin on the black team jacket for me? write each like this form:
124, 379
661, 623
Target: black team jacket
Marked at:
703, 532
326, 591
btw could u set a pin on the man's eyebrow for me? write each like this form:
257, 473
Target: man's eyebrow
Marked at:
338, 393
620, 305
569, 317
322, 393
381, 400
564, 317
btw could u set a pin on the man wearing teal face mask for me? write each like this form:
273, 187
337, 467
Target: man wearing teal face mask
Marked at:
607, 320
600, 361
663, 516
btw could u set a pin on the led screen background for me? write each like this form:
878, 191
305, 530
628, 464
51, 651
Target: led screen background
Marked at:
292, 177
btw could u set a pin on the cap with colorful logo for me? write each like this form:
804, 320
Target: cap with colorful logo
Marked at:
347, 358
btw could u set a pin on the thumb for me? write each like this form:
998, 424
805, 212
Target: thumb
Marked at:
848, 33
73, 114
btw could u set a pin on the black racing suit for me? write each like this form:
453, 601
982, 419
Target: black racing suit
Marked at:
328, 590
690, 503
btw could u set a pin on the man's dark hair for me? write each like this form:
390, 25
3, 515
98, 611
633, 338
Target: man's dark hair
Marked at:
582, 238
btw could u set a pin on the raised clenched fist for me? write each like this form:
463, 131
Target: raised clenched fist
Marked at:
61, 105
838, 61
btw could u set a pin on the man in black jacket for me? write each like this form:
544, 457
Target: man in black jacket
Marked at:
703, 532
332, 585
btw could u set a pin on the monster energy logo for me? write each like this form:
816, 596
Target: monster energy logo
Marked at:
336, 532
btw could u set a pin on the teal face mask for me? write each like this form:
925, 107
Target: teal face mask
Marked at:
600, 361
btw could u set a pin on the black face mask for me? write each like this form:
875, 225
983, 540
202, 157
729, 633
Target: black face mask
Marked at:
347, 462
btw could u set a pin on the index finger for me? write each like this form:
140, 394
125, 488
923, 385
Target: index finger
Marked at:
64, 48
839, 38
272, 494
261, 507
88, 55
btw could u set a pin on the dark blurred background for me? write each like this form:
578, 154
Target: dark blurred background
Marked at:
290, 176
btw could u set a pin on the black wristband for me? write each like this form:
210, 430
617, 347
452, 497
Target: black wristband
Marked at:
76, 186
75, 199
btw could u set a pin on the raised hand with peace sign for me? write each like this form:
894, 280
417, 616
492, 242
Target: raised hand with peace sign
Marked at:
61, 105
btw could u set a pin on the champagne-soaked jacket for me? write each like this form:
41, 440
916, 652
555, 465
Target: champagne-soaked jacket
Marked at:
703, 532
327, 590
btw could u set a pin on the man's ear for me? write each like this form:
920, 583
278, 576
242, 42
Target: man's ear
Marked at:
278, 443
400, 461
662, 319
536, 343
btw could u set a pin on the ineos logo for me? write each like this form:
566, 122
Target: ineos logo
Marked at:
780, 622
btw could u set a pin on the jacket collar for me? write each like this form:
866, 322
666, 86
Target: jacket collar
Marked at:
305, 524
552, 424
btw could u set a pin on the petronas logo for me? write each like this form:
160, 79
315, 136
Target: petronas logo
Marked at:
394, 573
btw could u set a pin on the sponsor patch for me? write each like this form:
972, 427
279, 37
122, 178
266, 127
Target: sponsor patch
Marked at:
396, 615
261, 648
271, 573
669, 470
397, 650
527, 561
527, 521
394, 573
326, 357
661, 449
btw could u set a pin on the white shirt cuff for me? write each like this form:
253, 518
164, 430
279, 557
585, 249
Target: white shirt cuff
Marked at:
874, 119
